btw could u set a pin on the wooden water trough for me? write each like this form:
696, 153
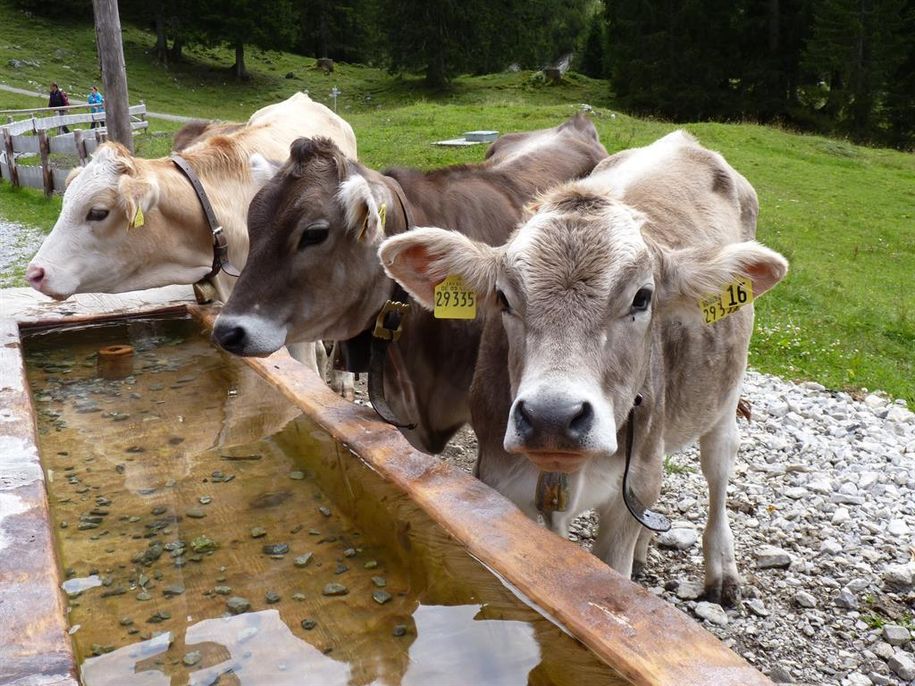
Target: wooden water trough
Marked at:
644, 640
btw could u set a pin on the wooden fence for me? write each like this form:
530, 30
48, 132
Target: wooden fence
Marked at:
28, 133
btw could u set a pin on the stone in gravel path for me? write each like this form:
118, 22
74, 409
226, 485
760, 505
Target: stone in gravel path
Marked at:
711, 612
896, 635
678, 538
902, 665
770, 557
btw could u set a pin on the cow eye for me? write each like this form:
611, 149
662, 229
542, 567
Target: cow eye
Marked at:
96, 215
641, 300
314, 234
503, 302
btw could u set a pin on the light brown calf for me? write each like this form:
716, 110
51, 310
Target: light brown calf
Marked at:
594, 302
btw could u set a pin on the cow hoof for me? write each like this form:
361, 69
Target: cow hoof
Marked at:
638, 569
726, 594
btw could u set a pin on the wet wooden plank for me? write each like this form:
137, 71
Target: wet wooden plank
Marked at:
34, 644
648, 641
32, 309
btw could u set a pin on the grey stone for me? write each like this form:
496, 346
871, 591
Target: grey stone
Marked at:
896, 635
711, 612
770, 557
238, 605
690, 590
902, 665
805, 599
757, 607
846, 599
899, 577
678, 538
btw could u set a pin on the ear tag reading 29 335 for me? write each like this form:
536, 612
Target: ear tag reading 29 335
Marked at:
138, 219
731, 298
453, 300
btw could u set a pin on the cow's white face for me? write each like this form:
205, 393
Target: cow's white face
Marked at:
579, 288
91, 248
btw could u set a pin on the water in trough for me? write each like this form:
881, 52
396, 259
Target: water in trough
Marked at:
209, 533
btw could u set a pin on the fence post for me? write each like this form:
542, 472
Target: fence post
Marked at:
80, 146
10, 157
44, 148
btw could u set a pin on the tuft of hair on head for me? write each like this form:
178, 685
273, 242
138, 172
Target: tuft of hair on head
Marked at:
303, 151
117, 153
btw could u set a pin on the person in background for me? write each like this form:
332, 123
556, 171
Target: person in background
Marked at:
96, 99
59, 99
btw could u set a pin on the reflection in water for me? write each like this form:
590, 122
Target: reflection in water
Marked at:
119, 667
73, 587
451, 649
264, 651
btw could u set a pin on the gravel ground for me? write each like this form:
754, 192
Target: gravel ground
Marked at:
822, 506
17, 245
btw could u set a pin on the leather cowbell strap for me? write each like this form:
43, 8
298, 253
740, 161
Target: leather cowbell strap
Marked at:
388, 327
220, 244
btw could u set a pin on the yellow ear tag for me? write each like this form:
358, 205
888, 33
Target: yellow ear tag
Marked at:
383, 213
453, 300
732, 297
138, 219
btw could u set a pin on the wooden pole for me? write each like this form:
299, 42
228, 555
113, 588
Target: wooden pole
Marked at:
10, 158
114, 72
44, 150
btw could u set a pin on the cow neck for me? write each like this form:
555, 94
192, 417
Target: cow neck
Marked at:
389, 327
369, 350
221, 261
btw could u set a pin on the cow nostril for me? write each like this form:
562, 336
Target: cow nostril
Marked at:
582, 420
524, 420
231, 337
34, 275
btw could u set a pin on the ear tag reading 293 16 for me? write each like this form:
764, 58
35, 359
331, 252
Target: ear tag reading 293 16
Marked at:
453, 300
138, 219
732, 297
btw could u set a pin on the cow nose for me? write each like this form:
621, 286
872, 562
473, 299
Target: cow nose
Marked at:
556, 423
35, 275
230, 337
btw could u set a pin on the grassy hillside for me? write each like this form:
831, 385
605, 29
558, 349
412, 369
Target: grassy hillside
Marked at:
843, 214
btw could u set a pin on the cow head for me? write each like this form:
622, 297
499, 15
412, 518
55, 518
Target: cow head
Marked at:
93, 248
312, 271
580, 291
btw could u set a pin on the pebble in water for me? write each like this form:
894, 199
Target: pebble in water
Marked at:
192, 658
303, 560
272, 597
381, 597
275, 549
258, 532
238, 605
335, 589
309, 624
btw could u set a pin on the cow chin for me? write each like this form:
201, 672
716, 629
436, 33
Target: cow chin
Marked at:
568, 463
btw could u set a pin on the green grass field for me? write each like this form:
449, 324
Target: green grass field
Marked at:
844, 215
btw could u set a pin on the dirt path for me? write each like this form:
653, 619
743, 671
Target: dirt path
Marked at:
152, 115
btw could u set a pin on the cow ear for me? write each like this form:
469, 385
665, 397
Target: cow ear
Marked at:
262, 169
365, 207
138, 195
421, 259
72, 175
694, 274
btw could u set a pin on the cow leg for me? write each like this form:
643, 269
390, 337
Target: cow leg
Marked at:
305, 353
641, 552
718, 448
617, 536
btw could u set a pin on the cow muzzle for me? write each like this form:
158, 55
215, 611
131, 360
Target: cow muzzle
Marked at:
248, 336
38, 279
553, 432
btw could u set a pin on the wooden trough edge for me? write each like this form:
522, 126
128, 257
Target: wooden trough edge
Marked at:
645, 639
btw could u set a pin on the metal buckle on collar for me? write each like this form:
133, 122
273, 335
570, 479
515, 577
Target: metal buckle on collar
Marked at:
390, 307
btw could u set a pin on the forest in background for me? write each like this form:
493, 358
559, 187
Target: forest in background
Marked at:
840, 67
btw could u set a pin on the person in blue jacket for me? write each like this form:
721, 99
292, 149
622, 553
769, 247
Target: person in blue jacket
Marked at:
96, 99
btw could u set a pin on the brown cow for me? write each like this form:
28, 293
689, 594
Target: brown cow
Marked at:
602, 323
313, 272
